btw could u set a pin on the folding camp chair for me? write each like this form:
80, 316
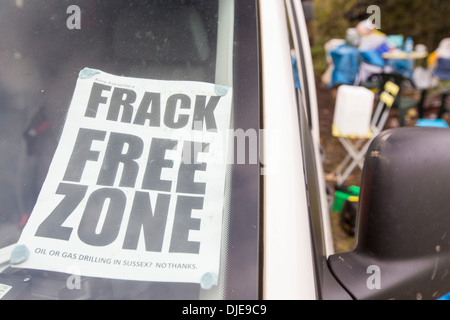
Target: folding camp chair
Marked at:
355, 140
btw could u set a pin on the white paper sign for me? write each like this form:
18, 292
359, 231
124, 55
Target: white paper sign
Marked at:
133, 191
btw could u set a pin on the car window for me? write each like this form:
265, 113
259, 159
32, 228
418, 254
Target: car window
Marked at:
311, 163
118, 170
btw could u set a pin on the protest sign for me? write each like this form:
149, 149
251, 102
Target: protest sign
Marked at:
132, 191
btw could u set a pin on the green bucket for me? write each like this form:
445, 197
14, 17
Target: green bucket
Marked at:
341, 195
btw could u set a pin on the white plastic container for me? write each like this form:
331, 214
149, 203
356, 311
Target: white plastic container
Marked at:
353, 112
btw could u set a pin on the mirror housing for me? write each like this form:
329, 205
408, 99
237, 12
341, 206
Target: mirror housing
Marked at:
403, 221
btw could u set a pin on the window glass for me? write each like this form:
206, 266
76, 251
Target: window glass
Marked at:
309, 159
117, 124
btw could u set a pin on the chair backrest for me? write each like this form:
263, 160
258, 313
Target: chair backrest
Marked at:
400, 80
389, 93
385, 102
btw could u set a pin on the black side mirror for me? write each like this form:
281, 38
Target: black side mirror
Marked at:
403, 225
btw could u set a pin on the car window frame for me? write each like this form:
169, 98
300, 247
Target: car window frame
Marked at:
244, 225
